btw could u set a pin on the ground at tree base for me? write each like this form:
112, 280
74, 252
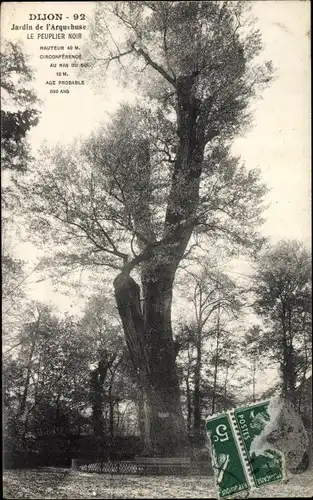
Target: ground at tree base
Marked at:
63, 483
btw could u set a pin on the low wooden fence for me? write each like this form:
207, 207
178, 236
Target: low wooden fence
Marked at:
131, 467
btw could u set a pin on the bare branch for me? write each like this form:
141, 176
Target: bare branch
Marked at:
13, 347
116, 57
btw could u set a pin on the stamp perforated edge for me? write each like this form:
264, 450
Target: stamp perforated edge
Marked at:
230, 412
213, 417
216, 416
244, 456
247, 463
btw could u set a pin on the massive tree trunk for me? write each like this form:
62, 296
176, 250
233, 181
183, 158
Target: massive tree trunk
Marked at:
148, 328
150, 342
167, 429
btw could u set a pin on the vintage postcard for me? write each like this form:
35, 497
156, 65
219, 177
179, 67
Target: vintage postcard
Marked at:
156, 249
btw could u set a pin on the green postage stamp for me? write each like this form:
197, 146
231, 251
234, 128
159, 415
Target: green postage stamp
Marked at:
228, 464
242, 458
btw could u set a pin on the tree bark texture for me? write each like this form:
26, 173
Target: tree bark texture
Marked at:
150, 342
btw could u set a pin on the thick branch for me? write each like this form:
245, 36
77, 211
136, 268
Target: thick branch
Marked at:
154, 65
170, 238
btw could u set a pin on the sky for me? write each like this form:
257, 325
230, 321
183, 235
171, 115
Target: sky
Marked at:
279, 142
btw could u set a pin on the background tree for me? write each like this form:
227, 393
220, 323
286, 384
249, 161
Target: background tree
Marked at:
19, 112
283, 299
212, 295
19, 107
67, 381
162, 171
105, 333
13, 277
16, 278
51, 365
226, 362
254, 353
230, 364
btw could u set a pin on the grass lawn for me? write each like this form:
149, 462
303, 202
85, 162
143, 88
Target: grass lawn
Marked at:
64, 483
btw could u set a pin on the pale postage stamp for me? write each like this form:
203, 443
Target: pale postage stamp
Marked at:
251, 445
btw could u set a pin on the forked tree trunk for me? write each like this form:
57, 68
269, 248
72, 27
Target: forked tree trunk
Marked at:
148, 329
149, 339
167, 427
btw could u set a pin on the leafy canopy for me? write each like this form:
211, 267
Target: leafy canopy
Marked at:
19, 104
132, 191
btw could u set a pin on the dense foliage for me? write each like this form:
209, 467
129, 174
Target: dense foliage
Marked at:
19, 107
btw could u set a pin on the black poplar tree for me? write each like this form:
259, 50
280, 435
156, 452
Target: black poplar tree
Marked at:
159, 173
